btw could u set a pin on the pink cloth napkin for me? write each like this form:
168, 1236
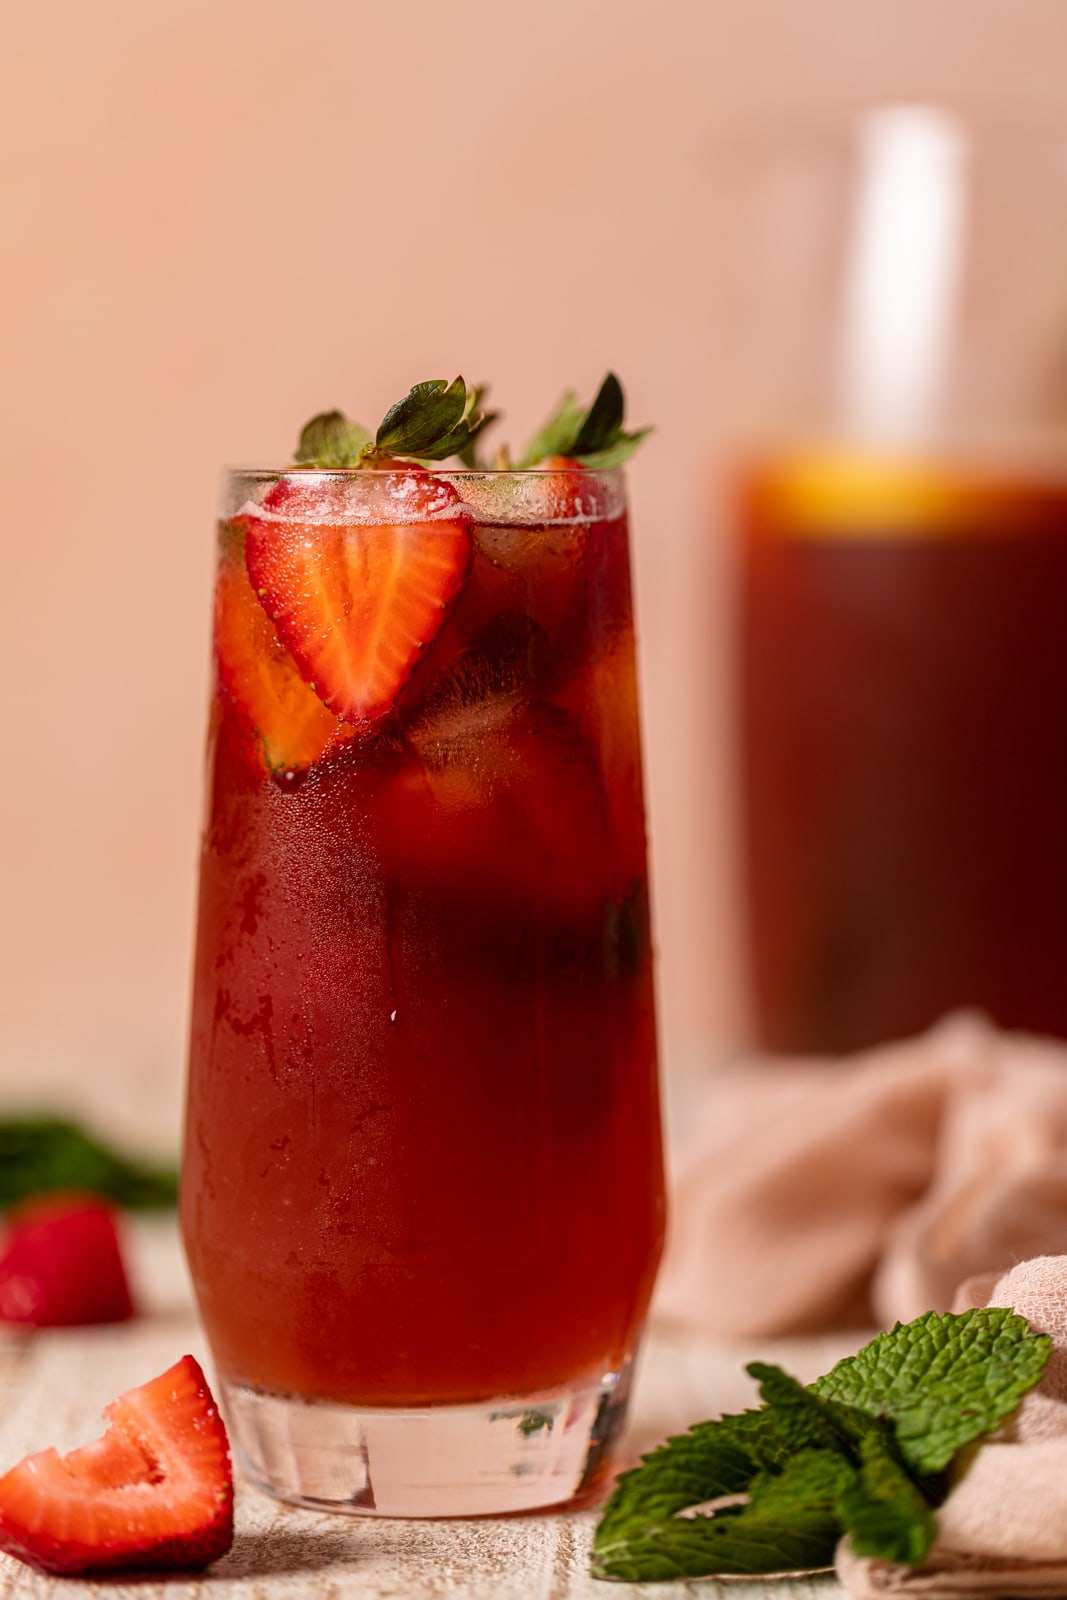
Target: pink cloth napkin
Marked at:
813, 1194
1003, 1529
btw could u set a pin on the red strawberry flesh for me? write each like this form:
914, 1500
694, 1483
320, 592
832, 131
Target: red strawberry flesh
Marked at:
287, 721
358, 579
61, 1264
155, 1492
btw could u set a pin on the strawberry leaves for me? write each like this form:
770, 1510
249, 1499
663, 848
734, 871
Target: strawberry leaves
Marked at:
438, 421
596, 438
331, 440
434, 421
322, 615
557, 434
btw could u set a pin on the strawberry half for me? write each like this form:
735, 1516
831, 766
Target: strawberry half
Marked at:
356, 603
288, 721
155, 1491
62, 1265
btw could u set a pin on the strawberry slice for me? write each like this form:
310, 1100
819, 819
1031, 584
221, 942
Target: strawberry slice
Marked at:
62, 1265
155, 1491
289, 723
356, 603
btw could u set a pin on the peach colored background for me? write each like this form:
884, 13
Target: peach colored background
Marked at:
222, 217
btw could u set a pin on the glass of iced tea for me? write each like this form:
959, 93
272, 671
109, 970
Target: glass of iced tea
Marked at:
422, 1189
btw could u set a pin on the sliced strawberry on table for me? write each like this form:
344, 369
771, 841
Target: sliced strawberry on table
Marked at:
61, 1264
291, 726
357, 602
155, 1491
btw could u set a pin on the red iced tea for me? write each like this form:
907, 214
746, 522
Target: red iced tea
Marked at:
904, 695
422, 1152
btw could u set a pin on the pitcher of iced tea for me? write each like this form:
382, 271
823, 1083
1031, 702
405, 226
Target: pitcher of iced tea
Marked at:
900, 524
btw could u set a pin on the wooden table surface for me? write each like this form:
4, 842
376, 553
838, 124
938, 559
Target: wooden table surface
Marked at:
54, 1386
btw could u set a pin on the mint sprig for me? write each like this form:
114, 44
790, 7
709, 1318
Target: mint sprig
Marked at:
950, 1380
41, 1154
860, 1452
596, 437
790, 1524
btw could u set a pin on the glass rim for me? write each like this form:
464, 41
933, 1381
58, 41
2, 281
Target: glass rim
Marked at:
343, 474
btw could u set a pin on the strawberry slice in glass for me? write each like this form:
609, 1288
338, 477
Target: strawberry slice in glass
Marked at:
288, 722
357, 602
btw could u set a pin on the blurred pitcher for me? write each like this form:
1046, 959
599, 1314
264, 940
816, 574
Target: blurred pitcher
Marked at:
902, 522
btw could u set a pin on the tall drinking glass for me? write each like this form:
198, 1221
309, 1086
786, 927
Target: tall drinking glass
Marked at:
422, 1188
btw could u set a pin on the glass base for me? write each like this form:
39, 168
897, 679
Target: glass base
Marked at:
495, 1456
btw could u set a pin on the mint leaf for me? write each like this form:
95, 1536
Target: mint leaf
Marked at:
796, 1509
711, 1460
879, 1504
810, 1469
801, 1419
857, 1452
943, 1380
41, 1154
330, 440
790, 1523
883, 1511
596, 438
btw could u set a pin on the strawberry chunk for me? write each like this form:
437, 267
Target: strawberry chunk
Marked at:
357, 602
62, 1265
155, 1492
288, 722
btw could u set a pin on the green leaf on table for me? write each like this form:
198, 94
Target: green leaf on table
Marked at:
858, 1453
803, 1420
943, 1380
789, 1523
42, 1154
883, 1510
711, 1460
